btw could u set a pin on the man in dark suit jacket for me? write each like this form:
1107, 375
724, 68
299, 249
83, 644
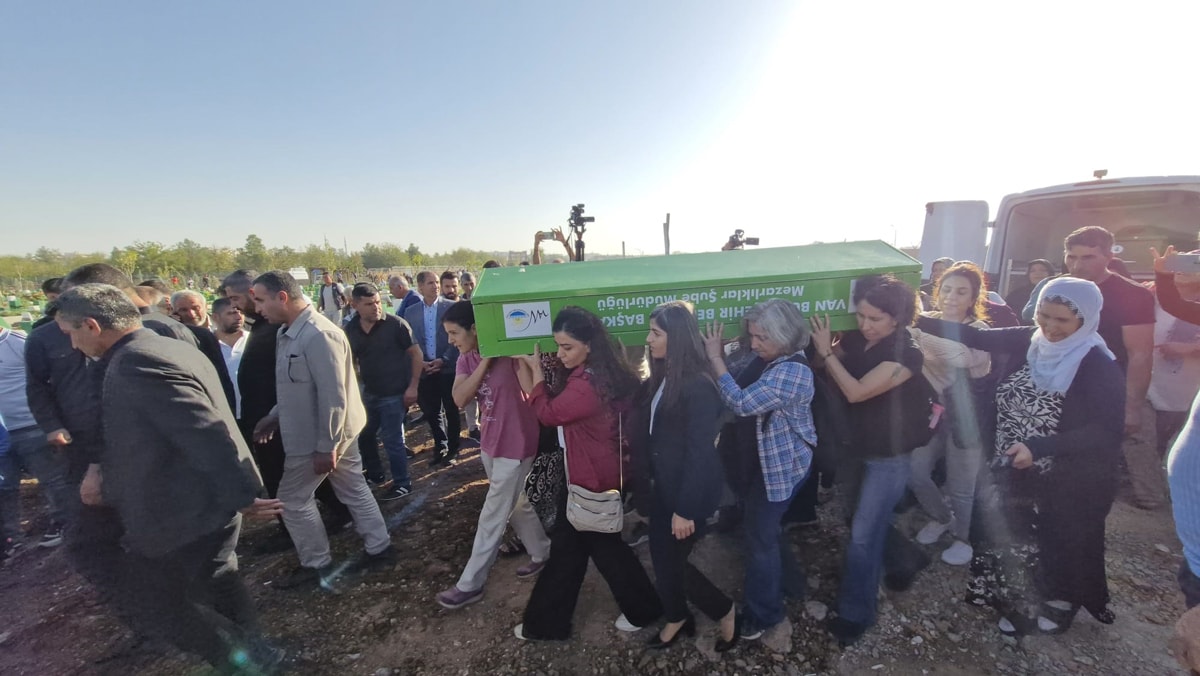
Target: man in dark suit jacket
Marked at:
63, 389
437, 379
167, 424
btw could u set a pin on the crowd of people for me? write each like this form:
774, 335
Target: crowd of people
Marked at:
1013, 439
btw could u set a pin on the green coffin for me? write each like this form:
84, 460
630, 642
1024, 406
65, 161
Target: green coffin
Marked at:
515, 307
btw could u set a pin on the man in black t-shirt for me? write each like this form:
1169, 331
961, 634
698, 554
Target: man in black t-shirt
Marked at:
389, 365
1127, 326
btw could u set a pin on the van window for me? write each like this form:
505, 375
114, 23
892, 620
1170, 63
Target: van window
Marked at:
1138, 219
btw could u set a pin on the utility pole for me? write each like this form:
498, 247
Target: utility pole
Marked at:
622, 248
667, 235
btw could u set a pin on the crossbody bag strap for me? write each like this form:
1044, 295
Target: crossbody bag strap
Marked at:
562, 440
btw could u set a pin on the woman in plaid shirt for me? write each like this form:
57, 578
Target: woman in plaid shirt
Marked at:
781, 400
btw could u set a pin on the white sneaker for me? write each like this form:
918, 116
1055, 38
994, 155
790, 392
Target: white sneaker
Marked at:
932, 531
519, 632
958, 554
625, 625
1046, 625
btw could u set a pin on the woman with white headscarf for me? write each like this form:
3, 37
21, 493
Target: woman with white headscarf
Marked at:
1059, 422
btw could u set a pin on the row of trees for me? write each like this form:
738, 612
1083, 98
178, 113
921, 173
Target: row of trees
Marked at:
189, 259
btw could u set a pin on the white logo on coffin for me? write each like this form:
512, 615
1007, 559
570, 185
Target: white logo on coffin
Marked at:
526, 320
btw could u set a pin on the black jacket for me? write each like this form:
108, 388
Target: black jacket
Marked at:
175, 466
63, 388
256, 372
208, 344
203, 339
1093, 414
680, 456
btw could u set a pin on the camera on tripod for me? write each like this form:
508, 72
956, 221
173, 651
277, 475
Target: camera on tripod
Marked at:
739, 240
578, 223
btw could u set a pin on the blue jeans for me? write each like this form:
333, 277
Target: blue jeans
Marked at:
385, 416
883, 484
769, 559
30, 450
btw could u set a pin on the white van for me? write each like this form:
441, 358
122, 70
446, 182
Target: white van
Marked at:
1140, 212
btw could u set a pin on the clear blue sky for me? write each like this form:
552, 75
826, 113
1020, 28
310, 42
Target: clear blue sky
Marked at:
478, 123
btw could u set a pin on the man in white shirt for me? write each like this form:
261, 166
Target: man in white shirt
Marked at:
332, 299
228, 323
435, 391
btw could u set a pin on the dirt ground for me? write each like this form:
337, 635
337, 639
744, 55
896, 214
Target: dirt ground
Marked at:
389, 623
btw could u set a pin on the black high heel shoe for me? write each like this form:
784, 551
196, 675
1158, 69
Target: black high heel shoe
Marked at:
1062, 618
656, 642
1022, 625
724, 646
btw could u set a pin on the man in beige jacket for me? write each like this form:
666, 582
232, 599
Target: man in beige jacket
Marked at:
319, 414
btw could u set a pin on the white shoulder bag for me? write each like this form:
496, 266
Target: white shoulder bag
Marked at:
597, 512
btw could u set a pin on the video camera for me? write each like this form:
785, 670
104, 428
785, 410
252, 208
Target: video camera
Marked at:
739, 240
578, 223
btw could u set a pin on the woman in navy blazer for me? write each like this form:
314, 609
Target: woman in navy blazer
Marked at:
675, 448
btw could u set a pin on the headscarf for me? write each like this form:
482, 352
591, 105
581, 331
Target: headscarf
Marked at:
1053, 365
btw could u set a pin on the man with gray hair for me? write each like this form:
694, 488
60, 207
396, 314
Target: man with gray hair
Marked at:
319, 415
190, 308
402, 294
166, 424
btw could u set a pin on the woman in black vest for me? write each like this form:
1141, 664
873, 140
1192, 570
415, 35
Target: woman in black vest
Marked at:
878, 370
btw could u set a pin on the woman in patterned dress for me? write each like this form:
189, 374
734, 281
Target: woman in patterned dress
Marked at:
1059, 424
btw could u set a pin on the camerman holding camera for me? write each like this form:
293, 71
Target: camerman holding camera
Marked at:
738, 241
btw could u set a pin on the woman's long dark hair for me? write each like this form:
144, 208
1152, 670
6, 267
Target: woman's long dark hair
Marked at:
611, 374
685, 351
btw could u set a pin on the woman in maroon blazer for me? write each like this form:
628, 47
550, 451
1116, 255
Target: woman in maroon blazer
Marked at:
589, 407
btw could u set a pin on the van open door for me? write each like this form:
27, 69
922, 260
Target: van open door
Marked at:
954, 229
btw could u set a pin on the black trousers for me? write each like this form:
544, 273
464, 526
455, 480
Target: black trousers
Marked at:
435, 397
552, 603
804, 506
270, 456
194, 598
1189, 584
93, 536
677, 579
